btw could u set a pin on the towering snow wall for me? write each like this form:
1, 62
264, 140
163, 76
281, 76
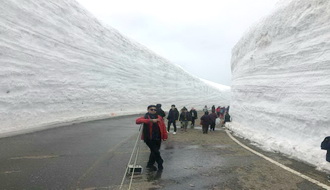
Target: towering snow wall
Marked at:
59, 64
281, 81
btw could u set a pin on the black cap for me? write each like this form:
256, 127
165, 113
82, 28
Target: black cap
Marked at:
172, 105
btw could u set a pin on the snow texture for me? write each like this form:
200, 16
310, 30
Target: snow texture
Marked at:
281, 82
59, 65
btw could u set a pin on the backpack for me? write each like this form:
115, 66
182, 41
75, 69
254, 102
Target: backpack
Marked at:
325, 145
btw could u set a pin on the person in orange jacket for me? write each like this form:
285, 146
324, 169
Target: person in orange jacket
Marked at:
153, 132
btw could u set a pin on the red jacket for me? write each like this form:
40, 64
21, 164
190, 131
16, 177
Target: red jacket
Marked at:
161, 124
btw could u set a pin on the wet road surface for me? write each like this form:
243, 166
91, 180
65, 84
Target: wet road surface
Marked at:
93, 155
213, 161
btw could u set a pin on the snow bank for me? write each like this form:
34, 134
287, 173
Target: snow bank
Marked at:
281, 82
59, 64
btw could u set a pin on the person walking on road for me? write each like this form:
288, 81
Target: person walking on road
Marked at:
172, 117
193, 114
153, 132
218, 111
213, 116
205, 122
227, 119
213, 109
227, 109
222, 112
160, 111
205, 109
185, 117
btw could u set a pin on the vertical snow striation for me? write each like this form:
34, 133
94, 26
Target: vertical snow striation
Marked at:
59, 64
281, 82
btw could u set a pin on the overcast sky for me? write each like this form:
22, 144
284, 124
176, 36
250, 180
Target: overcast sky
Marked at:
196, 34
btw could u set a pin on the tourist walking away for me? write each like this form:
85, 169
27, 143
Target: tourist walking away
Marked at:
153, 132
193, 114
213, 116
227, 118
213, 109
222, 112
325, 145
160, 111
205, 109
205, 122
185, 117
173, 116
218, 111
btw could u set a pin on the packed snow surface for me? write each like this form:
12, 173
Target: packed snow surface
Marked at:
59, 64
281, 81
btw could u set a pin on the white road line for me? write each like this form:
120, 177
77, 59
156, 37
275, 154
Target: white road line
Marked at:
13, 171
35, 157
278, 164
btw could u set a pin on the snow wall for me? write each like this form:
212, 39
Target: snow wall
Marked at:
59, 64
281, 81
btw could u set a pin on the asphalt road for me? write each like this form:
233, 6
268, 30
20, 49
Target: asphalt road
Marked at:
93, 156
78, 156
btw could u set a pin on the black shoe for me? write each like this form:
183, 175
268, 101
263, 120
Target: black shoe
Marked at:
152, 168
158, 174
160, 167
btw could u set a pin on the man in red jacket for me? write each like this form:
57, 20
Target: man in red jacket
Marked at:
154, 131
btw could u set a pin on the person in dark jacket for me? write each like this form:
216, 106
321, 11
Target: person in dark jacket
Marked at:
227, 109
213, 109
213, 116
325, 145
194, 116
327, 158
185, 117
205, 122
153, 132
227, 119
160, 112
173, 116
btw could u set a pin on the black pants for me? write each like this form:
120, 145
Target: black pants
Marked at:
205, 128
169, 125
193, 121
212, 126
154, 146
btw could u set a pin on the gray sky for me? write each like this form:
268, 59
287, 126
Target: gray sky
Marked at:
195, 34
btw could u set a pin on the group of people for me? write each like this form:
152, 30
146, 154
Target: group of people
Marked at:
208, 120
154, 129
173, 116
